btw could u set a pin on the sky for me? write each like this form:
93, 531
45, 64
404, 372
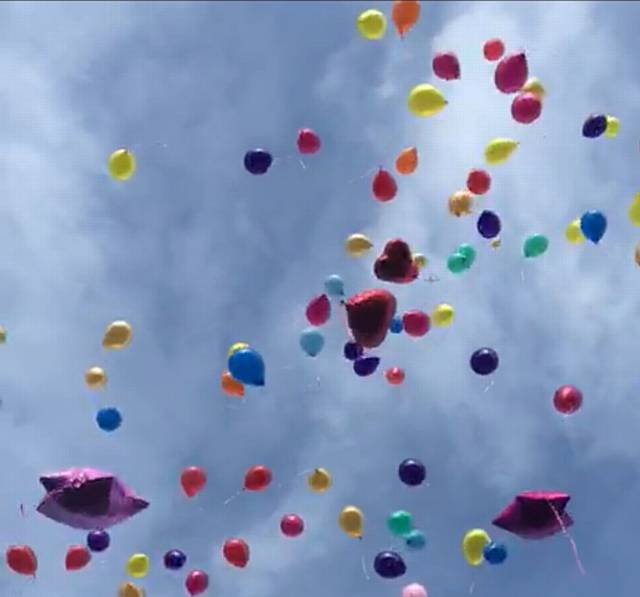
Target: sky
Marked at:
197, 254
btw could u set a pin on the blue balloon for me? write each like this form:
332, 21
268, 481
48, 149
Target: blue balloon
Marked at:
257, 161
594, 126
311, 341
415, 540
593, 225
247, 366
109, 419
495, 553
396, 326
334, 285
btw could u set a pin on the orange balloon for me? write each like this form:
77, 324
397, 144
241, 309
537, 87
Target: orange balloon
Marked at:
407, 161
405, 14
638, 254
231, 386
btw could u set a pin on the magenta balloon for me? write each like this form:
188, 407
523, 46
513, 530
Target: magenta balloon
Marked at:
512, 73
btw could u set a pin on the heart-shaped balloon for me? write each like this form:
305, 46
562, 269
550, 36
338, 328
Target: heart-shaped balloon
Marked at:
396, 263
369, 315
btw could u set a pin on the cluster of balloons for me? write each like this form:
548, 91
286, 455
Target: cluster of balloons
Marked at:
462, 259
245, 365
258, 161
372, 23
318, 313
477, 547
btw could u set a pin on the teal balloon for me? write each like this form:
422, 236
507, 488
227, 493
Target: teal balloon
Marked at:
468, 252
400, 523
535, 245
334, 285
457, 263
247, 366
415, 540
311, 341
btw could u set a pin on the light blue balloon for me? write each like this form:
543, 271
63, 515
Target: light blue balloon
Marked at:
396, 326
415, 540
334, 285
247, 366
311, 341
593, 225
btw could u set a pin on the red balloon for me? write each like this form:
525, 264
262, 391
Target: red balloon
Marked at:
567, 399
446, 66
478, 182
416, 323
526, 107
193, 480
22, 559
257, 478
511, 73
197, 582
291, 525
319, 310
308, 141
493, 49
78, 557
395, 376
236, 552
384, 186
368, 316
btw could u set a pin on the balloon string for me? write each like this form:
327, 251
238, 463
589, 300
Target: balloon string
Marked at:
566, 533
472, 587
488, 387
364, 567
367, 173
233, 497
522, 275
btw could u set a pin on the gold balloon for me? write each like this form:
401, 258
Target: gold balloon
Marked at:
460, 203
357, 245
95, 377
495, 243
420, 260
128, 589
118, 335
319, 480
351, 521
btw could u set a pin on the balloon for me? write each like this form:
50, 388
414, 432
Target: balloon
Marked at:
457, 263
613, 127
415, 540
318, 310
484, 361
400, 523
372, 24
352, 351
138, 565
412, 472
634, 211
460, 203
535, 245
197, 582
236, 552
365, 366
319, 480
174, 559
193, 479
257, 161
369, 314
567, 399
526, 108
98, 541
3, 335
128, 589
594, 126
533, 85
395, 376
357, 245
473, 545
308, 141
396, 326
478, 181
573, 233
414, 590
117, 335
511, 73
22, 559
637, 254
351, 521
95, 377
334, 285
291, 525
311, 342
416, 323
495, 243
109, 419
489, 224
446, 66
247, 366
420, 260
425, 100
122, 164
442, 315
468, 252
407, 161
77, 557
499, 150
405, 14
389, 564
384, 186
395, 264
493, 49
495, 553
258, 478
593, 225
230, 386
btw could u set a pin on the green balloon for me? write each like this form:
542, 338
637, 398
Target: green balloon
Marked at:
400, 523
457, 263
535, 245
469, 253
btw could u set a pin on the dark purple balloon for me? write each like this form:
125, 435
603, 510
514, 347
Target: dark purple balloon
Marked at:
257, 161
484, 361
174, 559
98, 540
594, 126
389, 564
412, 472
489, 224
352, 351
365, 365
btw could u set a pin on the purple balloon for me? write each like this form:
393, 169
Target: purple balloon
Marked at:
352, 351
365, 365
484, 361
257, 161
389, 564
594, 126
98, 540
174, 559
489, 224
412, 472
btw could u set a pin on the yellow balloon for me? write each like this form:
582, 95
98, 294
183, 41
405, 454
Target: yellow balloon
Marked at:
319, 480
236, 347
138, 565
613, 127
122, 164
442, 315
533, 85
420, 260
426, 100
117, 336
473, 546
495, 243
372, 24
634, 212
357, 245
573, 232
95, 377
499, 150
128, 589
351, 521
3, 335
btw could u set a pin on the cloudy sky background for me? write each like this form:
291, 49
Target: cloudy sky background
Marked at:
197, 254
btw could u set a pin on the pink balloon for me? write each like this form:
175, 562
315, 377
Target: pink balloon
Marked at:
493, 49
319, 310
291, 525
414, 590
526, 108
446, 66
197, 582
511, 73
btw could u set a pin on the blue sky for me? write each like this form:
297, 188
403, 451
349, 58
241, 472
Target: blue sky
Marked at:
197, 254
